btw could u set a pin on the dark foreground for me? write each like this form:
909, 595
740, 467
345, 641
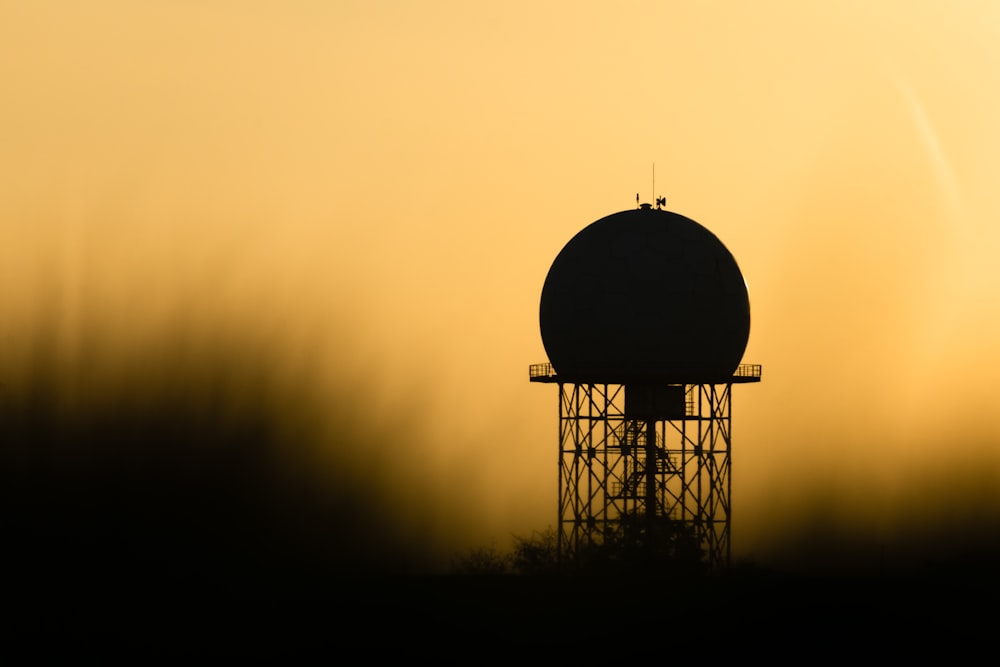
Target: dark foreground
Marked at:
951, 609
163, 522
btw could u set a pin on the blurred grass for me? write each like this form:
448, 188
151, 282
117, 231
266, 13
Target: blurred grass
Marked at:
194, 468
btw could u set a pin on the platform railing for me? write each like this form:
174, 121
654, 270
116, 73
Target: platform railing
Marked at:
747, 371
541, 371
547, 371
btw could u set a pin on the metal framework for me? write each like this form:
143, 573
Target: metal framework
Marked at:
636, 480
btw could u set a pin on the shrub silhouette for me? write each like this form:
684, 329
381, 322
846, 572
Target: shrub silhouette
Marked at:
486, 561
631, 546
537, 554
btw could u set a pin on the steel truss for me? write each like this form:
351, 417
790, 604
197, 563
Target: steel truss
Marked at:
625, 478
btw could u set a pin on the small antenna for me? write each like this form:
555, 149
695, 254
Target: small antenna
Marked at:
653, 193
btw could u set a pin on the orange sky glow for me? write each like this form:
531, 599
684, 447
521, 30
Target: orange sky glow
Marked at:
365, 198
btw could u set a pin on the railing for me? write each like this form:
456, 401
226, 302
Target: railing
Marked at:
541, 371
547, 371
747, 371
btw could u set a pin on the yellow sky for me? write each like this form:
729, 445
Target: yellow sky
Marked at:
373, 193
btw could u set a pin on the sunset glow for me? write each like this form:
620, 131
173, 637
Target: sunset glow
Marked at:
360, 202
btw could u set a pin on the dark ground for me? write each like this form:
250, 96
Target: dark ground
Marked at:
148, 526
952, 610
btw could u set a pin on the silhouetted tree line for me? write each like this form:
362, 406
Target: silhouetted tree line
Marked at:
534, 554
633, 545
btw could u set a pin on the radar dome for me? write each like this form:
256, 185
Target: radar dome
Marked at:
645, 295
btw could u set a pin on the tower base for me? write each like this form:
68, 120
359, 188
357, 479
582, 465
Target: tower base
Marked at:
645, 476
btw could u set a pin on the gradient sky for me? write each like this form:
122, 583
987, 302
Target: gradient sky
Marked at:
374, 191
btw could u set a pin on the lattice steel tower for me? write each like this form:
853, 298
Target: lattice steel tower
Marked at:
645, 317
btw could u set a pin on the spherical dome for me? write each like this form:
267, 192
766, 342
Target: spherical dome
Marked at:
645, 295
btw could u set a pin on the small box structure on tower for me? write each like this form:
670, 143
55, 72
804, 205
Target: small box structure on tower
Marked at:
645, 317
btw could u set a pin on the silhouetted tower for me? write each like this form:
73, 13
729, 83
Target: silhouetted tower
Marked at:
645, 317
